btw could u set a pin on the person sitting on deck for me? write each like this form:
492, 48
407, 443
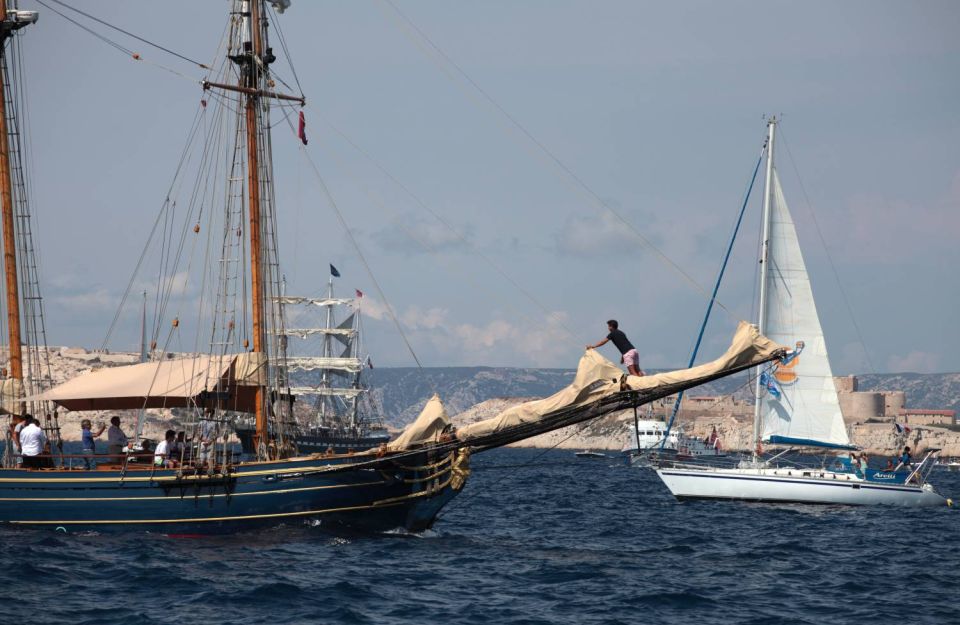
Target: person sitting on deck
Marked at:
628, 353
116, 439
89, 444
161, 455
177, 447
32, 442
889, 466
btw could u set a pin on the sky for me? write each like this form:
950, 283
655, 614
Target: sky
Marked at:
654, 110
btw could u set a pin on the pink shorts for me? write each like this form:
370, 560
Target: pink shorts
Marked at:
632, 358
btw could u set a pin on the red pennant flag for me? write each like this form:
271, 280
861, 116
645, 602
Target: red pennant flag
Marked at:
359, 293
302, 130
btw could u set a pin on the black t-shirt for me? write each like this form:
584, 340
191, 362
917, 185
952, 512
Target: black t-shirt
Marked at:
620, 340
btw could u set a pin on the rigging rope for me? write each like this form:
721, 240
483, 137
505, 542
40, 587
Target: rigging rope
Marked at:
578, 182
456, 233
716, 288
126, 51
463, 499
360, 255
118, 29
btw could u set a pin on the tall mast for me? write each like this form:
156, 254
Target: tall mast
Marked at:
7, 26
253, 47
327, 351
764, 267
143, 330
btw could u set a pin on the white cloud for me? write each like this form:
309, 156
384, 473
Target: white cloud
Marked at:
415, 235
602, 235
416, 318
96, 300
915, 362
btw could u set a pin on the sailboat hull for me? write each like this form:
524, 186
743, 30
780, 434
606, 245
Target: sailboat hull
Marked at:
778, 485
394, 495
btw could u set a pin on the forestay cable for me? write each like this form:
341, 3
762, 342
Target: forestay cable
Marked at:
578, 182
456, 233
713, 297
833, 267
363, 259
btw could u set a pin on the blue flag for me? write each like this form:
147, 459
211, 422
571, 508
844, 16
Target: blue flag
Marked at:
767, 381
334, 272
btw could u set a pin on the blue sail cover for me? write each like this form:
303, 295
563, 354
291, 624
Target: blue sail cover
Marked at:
806, 442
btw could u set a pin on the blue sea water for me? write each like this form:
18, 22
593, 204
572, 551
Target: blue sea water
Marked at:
534, 538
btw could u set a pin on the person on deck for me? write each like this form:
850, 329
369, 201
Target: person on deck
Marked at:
116, 439
178, 446
864, 463
88, 442
32, 442
208, 438
19, 422
906, 458
161, 455
628, 353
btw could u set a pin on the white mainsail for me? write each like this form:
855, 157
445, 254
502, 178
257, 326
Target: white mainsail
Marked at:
807, 409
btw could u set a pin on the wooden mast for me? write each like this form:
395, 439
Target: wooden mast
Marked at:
7, 209
252, 78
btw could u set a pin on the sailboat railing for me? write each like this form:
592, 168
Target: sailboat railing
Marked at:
922, 470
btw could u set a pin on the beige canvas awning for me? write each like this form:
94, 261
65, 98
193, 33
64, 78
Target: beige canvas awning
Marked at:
229, 382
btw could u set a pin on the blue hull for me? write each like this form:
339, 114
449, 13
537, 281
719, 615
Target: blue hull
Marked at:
395, 495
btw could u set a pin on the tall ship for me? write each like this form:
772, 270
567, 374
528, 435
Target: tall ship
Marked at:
797, 406
336, 411
235, 314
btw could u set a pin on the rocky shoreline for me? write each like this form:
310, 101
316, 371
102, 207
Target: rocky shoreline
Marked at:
612, 433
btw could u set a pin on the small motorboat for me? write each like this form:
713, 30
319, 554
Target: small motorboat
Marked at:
586, 453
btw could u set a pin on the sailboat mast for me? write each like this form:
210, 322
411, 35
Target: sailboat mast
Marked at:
6, 198
764, 267
251, 80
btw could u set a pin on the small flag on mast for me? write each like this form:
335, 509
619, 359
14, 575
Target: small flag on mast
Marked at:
333, 271
302, 129
359, 293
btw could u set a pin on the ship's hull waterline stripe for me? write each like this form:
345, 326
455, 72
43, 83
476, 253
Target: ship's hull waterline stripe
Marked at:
384, 503
191, 496
172, 478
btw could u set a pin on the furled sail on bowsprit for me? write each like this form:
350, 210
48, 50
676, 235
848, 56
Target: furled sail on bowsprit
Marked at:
800, 404
598, 388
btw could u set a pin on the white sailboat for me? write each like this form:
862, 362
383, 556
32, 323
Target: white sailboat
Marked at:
797, 404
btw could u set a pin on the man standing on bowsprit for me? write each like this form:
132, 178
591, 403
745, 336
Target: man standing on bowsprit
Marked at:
628, 353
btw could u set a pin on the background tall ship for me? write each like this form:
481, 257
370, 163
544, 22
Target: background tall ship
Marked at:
223, 237
334, 412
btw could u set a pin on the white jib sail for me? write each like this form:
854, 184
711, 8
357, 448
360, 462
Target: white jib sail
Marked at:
807, 407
